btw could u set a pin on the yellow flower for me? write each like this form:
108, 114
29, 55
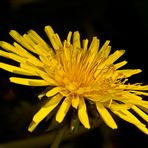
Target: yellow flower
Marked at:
76, 73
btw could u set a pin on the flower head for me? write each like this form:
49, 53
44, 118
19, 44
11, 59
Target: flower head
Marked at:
77, 73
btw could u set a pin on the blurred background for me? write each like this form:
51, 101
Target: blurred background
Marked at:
124, 23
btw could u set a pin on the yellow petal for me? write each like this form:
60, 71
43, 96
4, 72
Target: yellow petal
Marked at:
16, 70
40, 50
67, 53
130, 117
29, 40
58, 41
94, 46
63, 109
107, 52
103, 48
128, 72
117, 107
131, 98
36, 38
76, 40
51, 35
75, 101
22, 52
21, 40
106, 116
93, 49
143, 129
69, 38
127, 116
44, 111
120, 64
47, 78
38, 72
85, 45
136, 122
133, 87
8, 47
53, 91
30, 58
140, 113
122, 116
113, 57
12, 56
48, 62
82, 114
140, 93
31, 68
30, 82
17, 49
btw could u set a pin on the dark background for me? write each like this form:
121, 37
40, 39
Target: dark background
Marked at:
124, 23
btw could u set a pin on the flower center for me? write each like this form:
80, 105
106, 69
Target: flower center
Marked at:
72, 87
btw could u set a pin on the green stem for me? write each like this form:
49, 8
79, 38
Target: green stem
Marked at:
59, 136
47, 138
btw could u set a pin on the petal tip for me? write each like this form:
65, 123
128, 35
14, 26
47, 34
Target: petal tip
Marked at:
32, 126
